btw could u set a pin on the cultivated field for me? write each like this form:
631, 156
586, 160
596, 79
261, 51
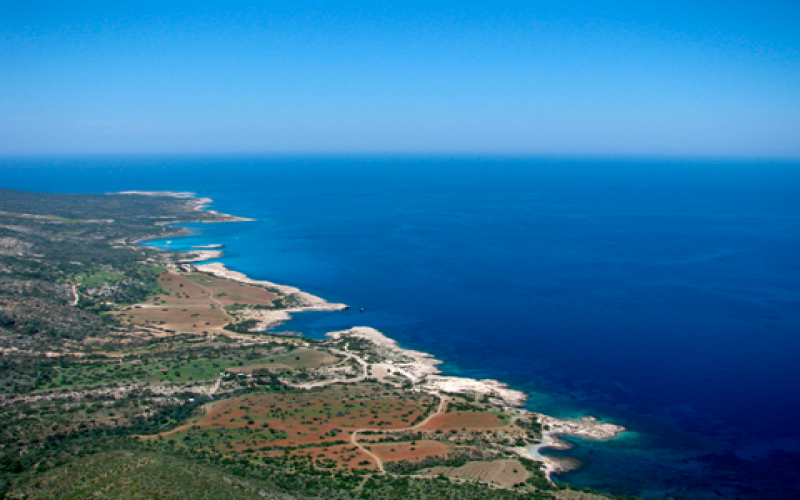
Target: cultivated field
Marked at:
194, 303
226, 292
503, 472
394, 452
464, 420
317, 424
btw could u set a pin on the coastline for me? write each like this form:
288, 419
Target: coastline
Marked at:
418, 367
588, 428
302, 301
549, 441
195, 202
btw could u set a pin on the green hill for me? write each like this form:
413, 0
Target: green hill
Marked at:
138, 475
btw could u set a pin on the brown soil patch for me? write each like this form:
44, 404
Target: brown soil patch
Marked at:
394, 452
265, 424
226, 292
503, 472
193, 303
191, 320
463, 420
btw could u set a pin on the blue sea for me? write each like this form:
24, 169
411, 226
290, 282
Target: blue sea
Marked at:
662, 295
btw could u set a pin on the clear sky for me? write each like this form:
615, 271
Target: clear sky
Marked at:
612, 77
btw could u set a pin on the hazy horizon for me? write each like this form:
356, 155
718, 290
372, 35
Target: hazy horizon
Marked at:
412, 155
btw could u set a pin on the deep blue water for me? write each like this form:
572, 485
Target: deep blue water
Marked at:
662, 295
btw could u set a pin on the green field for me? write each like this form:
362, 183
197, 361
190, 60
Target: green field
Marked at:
96, 278
171, 367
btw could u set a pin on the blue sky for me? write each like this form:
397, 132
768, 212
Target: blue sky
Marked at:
700, 78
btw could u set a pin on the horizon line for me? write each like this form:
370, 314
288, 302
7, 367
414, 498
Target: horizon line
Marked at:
418, 155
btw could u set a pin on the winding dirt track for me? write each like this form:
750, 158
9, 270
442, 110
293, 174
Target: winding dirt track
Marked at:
439, 410
211, 297
336, 380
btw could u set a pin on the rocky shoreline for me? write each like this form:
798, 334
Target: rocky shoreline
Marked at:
419, 368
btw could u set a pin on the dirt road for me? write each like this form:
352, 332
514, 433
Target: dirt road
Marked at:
439, 410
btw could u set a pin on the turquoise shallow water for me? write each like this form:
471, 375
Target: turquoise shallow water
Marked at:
661, 295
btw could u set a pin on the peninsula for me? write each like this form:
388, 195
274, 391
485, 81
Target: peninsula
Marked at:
172, 363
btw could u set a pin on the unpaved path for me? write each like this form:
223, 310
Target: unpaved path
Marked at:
441, 408
211, 298
336, 380
215, 387
354, 435
212, 390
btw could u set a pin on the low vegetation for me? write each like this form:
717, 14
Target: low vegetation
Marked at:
126, 373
